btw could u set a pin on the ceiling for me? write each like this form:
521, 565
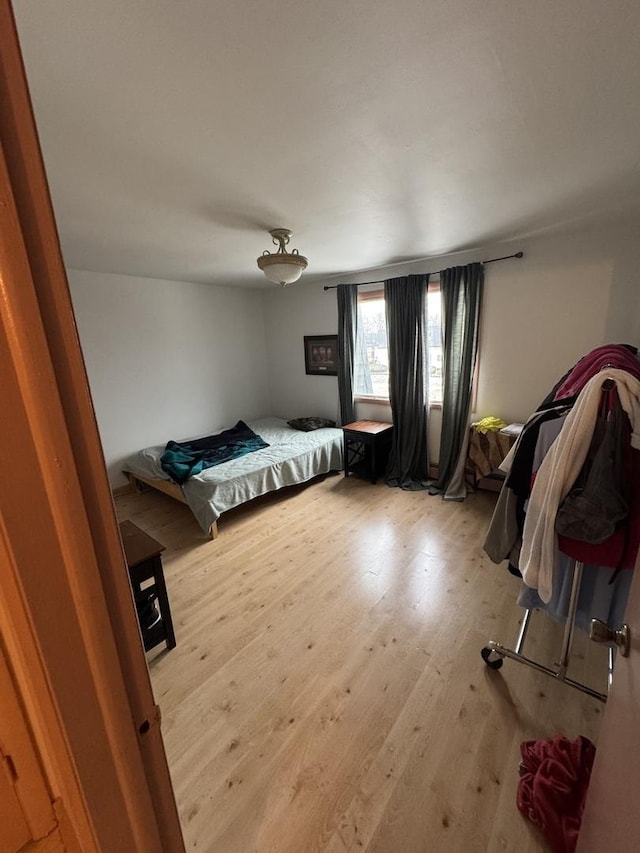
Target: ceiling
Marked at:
176, 133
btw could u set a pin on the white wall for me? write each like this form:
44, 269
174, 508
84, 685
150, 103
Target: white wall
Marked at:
167, 359
540, 315
570, 293
290, 314
623, 320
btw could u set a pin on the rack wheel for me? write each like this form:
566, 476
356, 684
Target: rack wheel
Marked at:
492, 659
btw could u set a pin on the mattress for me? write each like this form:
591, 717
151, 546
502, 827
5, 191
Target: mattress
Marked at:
292, 457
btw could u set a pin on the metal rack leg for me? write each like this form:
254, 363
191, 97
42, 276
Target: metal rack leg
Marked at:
523, 631
610, 666
570, 624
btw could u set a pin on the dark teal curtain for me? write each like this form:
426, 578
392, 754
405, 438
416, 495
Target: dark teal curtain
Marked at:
347, 330
461, 289
404, 306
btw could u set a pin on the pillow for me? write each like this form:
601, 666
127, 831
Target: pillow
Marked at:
309, 424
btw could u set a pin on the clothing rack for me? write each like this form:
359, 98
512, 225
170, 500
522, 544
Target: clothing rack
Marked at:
434, 272
494, 653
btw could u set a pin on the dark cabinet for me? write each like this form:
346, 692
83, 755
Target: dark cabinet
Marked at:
144, 560
366, 448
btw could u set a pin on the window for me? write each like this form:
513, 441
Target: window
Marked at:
372, 357
433, 349
371, 376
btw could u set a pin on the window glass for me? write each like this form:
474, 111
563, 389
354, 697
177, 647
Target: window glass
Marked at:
433, 327
372, 357
371, 377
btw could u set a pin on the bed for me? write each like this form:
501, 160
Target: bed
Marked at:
292, 457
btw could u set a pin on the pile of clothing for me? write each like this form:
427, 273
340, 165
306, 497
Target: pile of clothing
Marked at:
554, 779
572, 490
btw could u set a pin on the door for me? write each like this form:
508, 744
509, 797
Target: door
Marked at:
611, 819
68, 627
27, 814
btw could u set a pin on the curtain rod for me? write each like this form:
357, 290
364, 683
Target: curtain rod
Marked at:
435, 272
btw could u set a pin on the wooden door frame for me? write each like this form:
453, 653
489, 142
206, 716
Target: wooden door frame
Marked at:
99, 731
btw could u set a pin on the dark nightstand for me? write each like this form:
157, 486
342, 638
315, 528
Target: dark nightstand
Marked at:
366, 448
147, 581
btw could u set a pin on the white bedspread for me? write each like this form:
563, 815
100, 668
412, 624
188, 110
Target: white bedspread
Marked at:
292, 457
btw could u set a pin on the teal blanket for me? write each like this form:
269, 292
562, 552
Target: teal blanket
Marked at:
182, 460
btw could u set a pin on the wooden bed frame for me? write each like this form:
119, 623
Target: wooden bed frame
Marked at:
168, 488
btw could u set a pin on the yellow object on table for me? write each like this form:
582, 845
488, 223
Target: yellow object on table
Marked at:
489, 424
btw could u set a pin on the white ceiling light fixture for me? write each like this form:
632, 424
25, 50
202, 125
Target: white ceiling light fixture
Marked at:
282, 267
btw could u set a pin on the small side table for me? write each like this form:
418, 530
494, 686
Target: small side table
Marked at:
485, 453
366, 448
145, 564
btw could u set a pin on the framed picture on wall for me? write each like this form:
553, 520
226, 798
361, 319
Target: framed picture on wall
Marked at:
321, 355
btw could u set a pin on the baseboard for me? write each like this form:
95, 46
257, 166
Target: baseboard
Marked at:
121, 490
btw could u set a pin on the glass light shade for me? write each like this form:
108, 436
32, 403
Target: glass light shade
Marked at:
283, 273
282, 268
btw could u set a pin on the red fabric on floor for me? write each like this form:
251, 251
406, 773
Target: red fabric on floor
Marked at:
555, 776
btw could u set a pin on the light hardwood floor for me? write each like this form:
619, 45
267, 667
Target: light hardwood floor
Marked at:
327, 691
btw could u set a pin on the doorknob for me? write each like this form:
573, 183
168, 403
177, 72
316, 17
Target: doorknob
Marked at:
600, 632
